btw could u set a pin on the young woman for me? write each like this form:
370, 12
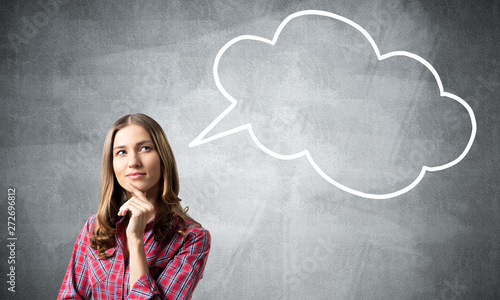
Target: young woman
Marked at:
141, 244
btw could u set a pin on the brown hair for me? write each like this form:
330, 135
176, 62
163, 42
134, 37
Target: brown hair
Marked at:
113, 195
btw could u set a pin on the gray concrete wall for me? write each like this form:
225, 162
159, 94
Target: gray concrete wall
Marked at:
279, 229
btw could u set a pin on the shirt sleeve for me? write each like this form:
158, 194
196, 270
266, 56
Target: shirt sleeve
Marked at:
181, 275
76, 281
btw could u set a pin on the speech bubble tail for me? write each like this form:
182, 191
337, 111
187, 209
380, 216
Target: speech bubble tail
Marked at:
202, 139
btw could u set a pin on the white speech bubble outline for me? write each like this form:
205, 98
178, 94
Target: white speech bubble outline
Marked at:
199, 140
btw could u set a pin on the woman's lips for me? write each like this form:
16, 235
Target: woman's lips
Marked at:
135, 175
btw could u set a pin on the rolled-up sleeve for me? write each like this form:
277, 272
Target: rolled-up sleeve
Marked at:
181, 274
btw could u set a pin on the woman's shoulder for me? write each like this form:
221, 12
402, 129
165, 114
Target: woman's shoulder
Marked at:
192, 225
87, 230
195, 230
91, 221
89, 225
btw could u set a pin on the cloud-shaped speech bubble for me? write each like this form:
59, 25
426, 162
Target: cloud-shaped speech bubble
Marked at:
201, 138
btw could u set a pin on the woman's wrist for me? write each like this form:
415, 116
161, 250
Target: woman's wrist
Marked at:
135, 242
138, 262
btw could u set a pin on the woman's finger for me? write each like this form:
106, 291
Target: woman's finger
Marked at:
137, 209
137, 192
122, 211
135, 206
142, 202
128, 206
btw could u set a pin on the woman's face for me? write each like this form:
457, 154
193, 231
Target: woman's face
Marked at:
136, 160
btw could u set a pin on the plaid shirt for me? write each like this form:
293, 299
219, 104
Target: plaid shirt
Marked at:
175, 266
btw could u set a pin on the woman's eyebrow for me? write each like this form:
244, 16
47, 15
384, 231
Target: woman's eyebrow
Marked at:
139, 143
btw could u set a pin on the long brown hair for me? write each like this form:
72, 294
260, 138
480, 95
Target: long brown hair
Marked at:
168, 206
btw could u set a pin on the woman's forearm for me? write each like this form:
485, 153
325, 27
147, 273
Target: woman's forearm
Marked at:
138, 262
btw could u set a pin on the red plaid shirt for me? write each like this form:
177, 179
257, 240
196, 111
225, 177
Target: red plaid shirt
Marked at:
175, 266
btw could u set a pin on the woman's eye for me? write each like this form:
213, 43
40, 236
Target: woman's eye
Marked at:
146, 148
120, 152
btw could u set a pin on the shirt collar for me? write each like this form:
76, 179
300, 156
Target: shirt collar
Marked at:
120, 219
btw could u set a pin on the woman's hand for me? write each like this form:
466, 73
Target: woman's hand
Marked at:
141, 211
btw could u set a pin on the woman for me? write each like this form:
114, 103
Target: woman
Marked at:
141, 244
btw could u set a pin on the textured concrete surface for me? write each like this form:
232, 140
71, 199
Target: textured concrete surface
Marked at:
279, 231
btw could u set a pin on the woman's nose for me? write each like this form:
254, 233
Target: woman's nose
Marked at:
133, 160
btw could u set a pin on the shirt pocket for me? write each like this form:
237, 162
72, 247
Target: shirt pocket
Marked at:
99, 268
